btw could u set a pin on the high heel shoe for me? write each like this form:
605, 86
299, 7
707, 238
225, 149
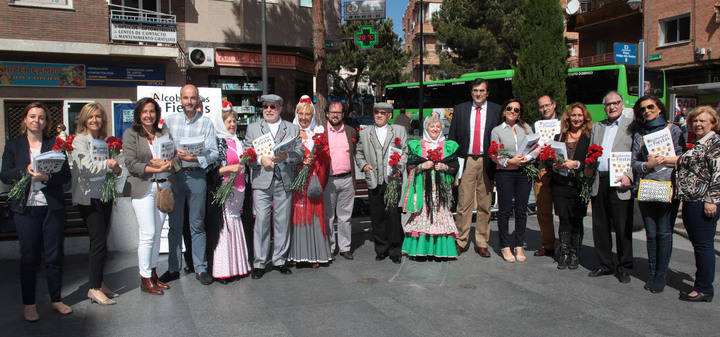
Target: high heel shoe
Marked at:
31, 314
315, 265
62, 308
520, 254
156, 280
108, 293
94, 299
507, 255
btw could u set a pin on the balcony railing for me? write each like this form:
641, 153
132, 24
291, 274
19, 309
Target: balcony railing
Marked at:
597, 60
135, 25
136, 15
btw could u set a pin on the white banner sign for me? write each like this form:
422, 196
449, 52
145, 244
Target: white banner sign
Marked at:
143, 33
169, 98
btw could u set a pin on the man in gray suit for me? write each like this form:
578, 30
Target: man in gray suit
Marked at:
271, 180
612, 207
372, 155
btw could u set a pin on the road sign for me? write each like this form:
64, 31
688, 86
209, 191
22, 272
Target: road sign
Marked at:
364, 10
655, 57
625, 53
366, 37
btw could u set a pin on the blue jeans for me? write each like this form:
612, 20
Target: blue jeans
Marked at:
701, 231
512, 185
190, 186
659, 241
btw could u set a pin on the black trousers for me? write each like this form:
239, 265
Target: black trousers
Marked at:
512, 185
387, 231
610, 213
97, 218
40, 234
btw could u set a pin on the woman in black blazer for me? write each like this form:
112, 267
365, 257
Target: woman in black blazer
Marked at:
40, 217
576, 124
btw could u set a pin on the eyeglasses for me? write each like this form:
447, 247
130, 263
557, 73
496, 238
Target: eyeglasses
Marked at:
616, 103
512, 109
647, 107
270, 106
334, 112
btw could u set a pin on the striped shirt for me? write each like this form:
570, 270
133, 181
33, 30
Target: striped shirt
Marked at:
199, 126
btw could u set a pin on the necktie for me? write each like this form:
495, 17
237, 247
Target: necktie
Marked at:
477, 137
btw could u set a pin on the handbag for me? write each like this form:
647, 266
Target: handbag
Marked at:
314, 189
164, 199
655, 191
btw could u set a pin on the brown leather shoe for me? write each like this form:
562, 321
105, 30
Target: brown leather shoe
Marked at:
158, 283
347, 255
147, 285
482, 251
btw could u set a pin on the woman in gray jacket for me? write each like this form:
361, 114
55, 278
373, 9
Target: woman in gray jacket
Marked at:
650, 118
88, 174
148, 173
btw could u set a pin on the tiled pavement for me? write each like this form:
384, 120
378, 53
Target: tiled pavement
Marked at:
468, 297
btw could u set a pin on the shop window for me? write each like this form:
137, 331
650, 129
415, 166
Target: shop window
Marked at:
59, 4
674, 30
14, 111
71, 114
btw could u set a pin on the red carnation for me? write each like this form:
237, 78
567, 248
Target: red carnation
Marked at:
397, 141
689, 146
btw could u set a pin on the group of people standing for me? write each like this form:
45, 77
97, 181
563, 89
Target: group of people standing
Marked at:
415, 176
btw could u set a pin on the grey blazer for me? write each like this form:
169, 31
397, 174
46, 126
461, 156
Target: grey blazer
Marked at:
83, 168
262, 177
370, 151
623, 143
137, 156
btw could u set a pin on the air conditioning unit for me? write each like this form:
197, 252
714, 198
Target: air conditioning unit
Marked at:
201, 57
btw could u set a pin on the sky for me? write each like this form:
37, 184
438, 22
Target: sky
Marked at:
395, 9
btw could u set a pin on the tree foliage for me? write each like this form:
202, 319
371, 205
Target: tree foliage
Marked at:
380, 65
542, 66
483, 35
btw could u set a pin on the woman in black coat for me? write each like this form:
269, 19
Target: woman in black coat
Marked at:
576, 125
40, 216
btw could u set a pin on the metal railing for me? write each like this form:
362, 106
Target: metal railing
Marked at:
137, 15
596, 60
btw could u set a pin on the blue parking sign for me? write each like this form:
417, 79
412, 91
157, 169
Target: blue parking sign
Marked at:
625, 53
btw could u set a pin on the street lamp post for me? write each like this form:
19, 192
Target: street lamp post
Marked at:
263, 40
635, 4
422, 69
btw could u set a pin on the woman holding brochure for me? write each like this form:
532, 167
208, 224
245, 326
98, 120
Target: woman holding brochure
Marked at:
512, 182
576, 125
649, 127
39, 214
230, 256
149, 166
91, 163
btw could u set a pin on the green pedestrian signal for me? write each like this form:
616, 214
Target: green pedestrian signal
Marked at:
366, 37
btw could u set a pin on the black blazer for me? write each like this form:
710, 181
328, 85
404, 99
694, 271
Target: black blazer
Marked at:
460, 131
580, 153
15, 160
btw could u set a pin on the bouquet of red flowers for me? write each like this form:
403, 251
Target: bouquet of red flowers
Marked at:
20, 187
594, 152
301, 181
223, 192
529, 169
547, 154
392, 193
108, 186
435, 155
591, 160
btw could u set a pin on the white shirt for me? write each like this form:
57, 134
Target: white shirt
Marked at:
381, 133
274, 127
36, 197
483, 119
607, 143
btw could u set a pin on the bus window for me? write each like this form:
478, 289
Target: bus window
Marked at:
589, 87
653, 82
500, 90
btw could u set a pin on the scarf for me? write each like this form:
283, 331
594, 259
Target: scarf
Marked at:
654, 125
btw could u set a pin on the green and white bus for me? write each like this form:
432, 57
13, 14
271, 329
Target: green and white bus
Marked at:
586, 85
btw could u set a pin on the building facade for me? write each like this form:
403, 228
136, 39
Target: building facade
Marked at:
411, 23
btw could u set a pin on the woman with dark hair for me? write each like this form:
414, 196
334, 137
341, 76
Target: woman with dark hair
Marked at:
576, 125
148, 173
698, 176
649, 117
511, 182
88, 175
40, 216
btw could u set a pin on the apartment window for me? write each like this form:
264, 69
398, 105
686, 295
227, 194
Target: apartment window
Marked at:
306, 3
675, 30
59, 4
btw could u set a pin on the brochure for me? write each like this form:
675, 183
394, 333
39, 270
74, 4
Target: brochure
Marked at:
619, 165
547, 129
561, 154
264, 145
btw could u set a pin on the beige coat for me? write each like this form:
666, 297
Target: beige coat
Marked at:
83, 169
137, 156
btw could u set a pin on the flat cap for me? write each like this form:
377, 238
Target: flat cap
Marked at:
271, 98
382, 105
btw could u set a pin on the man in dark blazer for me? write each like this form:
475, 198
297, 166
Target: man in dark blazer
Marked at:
470, 128
340, 189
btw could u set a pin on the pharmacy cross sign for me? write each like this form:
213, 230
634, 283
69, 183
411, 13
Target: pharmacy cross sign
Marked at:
366, 37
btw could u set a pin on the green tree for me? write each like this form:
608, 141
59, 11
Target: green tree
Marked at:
483, 35
380, 65
542, 66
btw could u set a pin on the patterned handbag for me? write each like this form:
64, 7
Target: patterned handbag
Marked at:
655, 191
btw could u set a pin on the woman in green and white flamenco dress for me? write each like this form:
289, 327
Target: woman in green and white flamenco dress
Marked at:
432, 163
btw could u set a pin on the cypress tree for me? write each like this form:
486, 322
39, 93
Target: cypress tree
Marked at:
542, 66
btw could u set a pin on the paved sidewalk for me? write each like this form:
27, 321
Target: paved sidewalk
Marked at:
468, 297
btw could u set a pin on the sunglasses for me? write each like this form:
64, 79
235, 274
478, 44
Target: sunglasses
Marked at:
270, 106
512, 109
647, 107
